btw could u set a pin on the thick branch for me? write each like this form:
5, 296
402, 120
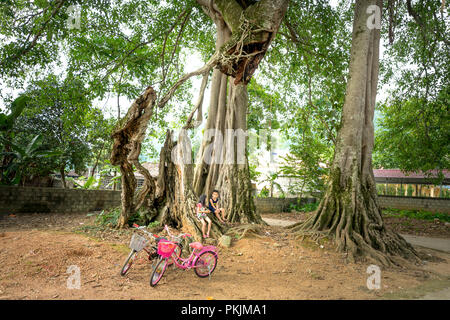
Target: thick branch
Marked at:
202, 71
198, 105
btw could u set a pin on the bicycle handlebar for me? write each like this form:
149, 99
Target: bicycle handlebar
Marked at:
142, 228
145, 231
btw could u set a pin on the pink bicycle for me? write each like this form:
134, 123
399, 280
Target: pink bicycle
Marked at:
203, 260
140, 244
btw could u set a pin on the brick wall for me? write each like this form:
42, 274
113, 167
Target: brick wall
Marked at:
40, 199
267, 205
417, 203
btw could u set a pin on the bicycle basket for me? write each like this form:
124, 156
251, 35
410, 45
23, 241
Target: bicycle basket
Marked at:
137, 242
166, 248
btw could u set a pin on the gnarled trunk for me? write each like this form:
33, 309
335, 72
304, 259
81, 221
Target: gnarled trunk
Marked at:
349, 211
128, 136
175, 197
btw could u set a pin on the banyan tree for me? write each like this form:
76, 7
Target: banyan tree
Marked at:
244, 32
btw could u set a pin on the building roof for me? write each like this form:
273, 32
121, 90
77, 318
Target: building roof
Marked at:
397, 176
153, 168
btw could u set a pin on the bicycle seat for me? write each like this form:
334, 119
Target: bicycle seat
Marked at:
196, 245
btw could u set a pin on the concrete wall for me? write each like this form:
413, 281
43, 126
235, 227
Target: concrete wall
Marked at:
415, 203
40, 199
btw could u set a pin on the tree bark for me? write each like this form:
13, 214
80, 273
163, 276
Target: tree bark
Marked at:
227, 178
349, 211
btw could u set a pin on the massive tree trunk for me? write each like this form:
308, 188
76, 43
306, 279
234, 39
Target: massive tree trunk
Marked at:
175, 198
244, 34
349, 211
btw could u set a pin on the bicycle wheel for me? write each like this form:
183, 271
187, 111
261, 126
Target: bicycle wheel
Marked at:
128, 263
206, 263
158, 271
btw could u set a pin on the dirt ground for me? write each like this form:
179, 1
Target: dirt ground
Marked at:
37, 250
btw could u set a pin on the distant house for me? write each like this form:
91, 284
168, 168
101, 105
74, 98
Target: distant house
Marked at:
395, 182
153, 169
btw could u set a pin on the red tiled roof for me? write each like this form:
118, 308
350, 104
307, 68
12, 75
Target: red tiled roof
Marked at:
397, 173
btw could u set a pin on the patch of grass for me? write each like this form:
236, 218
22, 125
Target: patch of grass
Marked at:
120, 247
110, 218
315, 275
419, 291
416, 214
309, 244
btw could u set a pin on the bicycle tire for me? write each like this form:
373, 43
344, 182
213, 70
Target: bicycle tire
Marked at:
199, 260
162, 263
128, 263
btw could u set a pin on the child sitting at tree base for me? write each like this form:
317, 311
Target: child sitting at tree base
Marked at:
201, 215
213, 206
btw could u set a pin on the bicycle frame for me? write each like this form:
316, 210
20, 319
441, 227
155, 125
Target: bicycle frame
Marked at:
189, 263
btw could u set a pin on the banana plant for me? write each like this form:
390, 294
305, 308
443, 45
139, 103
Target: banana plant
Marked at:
271, 179
17, 106
22, 157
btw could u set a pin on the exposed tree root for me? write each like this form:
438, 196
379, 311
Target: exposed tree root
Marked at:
245, 230
352, 219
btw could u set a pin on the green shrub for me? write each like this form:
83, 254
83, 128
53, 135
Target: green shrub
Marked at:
264, 193
108, 217
153, 224
307, 207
